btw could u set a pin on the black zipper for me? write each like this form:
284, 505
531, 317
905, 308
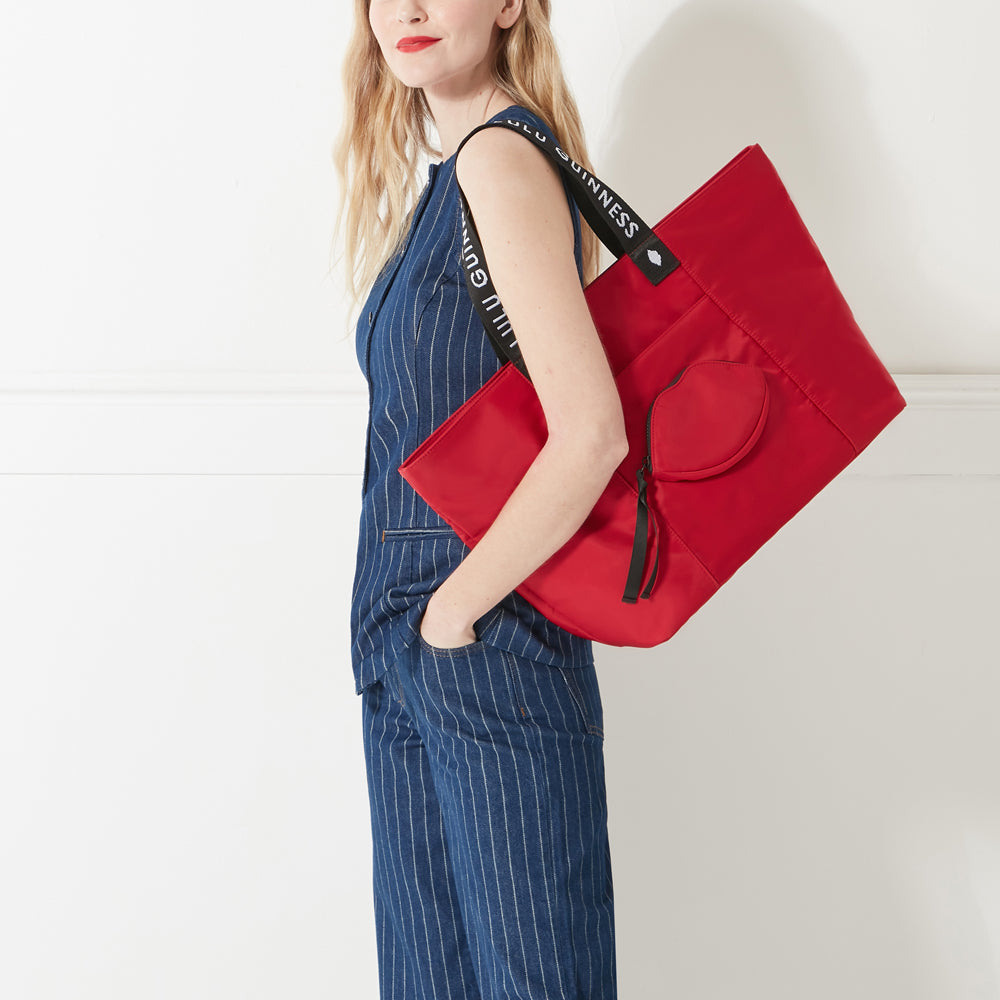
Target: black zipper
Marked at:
647, 462
637, 563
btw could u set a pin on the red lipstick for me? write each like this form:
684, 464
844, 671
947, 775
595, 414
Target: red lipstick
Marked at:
415, 43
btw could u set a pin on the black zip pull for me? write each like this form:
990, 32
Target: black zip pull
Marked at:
640, 543
643, 516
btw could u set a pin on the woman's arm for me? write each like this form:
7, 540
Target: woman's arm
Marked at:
518, 202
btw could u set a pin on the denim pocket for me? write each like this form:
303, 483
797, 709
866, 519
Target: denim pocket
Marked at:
447, 650
581, 682
416, 534
431, 554
452, 650
556, 697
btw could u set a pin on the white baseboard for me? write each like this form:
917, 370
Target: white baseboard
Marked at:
293, 423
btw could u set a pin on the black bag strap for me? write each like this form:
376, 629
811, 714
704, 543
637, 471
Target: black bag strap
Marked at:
616, 225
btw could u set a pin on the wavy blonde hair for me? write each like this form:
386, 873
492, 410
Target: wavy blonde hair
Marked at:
385, 130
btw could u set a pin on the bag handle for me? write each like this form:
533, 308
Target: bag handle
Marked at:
616, 225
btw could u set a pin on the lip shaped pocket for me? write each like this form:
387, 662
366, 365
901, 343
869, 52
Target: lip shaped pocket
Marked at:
708, 419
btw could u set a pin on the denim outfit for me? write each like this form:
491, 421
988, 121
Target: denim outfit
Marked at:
485, 766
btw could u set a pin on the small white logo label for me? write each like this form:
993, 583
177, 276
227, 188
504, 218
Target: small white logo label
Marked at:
655, 257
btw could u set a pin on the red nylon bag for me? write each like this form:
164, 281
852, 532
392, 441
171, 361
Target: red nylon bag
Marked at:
746, 385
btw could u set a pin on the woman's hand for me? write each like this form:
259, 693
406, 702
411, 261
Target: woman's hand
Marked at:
441, 633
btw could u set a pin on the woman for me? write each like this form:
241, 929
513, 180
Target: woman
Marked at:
482, 719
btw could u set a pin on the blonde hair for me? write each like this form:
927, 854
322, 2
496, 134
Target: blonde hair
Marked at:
385, 131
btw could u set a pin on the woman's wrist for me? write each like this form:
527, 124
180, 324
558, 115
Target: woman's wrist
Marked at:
449, 611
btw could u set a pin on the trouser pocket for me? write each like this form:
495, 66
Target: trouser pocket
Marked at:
556, 696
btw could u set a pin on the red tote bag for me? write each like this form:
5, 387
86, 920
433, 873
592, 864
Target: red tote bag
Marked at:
745, 381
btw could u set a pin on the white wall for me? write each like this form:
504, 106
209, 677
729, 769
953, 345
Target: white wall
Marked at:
184, 807
879, 115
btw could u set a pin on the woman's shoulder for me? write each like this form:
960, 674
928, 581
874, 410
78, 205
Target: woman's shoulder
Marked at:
495, 150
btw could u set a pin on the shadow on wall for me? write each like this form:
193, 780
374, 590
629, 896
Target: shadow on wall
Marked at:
719, 76
790, 777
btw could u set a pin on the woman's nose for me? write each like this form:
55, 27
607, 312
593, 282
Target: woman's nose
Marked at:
408, 12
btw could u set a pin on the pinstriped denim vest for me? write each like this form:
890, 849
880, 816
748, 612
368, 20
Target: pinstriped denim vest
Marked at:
424, 352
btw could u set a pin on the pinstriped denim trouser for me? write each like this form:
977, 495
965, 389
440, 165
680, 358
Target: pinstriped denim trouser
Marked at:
491, 861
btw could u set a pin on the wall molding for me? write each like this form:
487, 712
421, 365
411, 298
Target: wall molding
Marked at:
930, 390
227, 386
961, 391
303, 423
